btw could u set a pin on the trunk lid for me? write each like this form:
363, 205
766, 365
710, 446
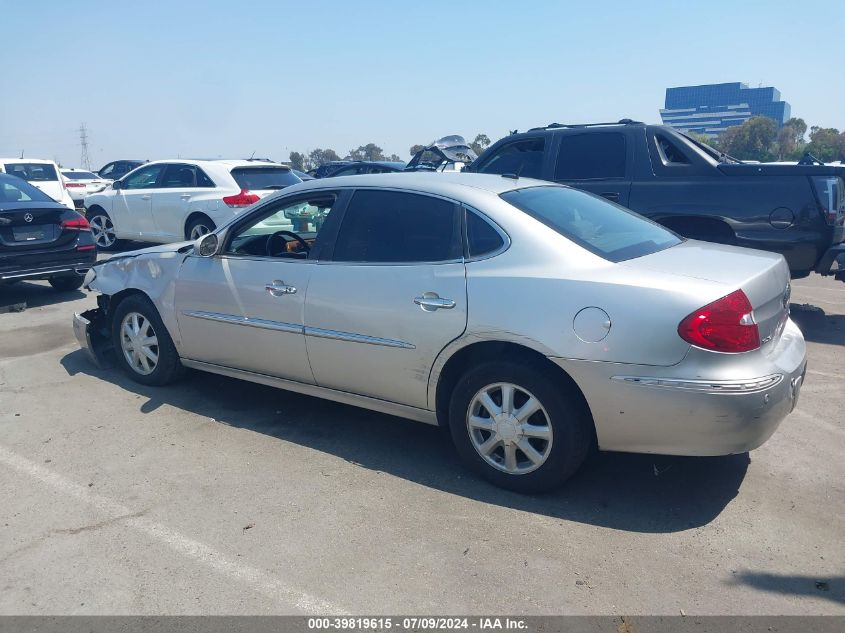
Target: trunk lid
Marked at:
26, 226
762, 276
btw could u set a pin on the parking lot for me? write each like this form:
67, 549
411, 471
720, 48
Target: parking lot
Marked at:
221, 496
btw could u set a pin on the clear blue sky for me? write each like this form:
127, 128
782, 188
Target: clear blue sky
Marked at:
160, 78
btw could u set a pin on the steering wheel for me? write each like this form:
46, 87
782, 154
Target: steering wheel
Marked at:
278, 234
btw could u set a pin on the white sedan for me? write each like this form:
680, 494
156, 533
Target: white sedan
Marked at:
174, 200
80, 183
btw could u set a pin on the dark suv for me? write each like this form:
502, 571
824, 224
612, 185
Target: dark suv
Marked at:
795, 210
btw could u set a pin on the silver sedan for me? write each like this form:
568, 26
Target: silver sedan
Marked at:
534, 320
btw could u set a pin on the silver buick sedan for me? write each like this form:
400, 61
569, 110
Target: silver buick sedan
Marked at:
535, 320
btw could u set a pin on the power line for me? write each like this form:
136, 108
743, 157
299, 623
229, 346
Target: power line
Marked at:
83, 142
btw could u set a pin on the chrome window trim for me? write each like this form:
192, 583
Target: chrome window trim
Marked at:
705, 386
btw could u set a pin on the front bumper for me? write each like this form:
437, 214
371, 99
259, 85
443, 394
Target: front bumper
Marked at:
677, 411
92, 334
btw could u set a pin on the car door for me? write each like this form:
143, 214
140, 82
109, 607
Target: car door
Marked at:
132, 205
598, 162
390, 298
243, 308
170, 206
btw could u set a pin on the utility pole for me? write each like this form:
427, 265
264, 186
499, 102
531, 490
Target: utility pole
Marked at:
84, 160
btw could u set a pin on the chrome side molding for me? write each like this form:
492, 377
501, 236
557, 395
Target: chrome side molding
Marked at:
705, 386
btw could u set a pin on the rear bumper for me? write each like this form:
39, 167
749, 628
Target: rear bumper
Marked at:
45, 272
825, 265
673, 411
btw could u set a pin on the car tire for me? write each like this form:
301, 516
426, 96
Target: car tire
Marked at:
102, 229
546, 447
135, 322
66, 283
199, 226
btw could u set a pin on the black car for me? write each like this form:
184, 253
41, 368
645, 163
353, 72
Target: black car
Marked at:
365, 167
40, 238
326, 168
691, 188
118, 168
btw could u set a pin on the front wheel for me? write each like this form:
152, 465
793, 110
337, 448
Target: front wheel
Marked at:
519, 428
142, 344
102, 230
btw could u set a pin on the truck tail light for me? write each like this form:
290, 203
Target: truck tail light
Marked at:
726, 325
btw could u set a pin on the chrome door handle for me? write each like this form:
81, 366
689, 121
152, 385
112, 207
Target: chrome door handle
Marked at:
278, 288
146, 197
185, 196
431, 301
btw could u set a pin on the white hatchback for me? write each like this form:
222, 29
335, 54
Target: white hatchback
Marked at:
42, 174
177, 200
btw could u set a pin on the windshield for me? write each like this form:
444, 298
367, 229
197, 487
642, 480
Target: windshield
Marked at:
34, 172
603, 228
16, 190
255, 178
79, 175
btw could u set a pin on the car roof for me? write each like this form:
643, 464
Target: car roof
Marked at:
443, 183
223, 162
42, 161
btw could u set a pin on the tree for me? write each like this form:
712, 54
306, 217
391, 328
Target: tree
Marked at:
415, 149
790, 139
297, 161
753, 140
395, 159
481, 142
370, 151
826, 144
319, 157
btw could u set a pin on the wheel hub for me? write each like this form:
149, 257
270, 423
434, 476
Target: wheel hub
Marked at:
507, 427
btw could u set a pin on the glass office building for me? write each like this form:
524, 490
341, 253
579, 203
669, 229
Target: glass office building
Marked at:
713, 108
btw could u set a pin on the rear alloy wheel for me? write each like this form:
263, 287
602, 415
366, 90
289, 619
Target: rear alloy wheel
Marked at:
519, 427
198, 227
102, 230
142, 344
66, 283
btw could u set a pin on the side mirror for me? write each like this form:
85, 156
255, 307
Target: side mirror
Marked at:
207, 245
117, 185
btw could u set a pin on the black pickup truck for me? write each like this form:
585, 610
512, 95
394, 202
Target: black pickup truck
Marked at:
700, 193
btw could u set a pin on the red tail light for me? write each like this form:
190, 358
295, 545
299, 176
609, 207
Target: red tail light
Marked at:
726, 325
76, 224
242, 199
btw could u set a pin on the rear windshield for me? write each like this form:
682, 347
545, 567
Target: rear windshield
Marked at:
603, 228
16, 190
32, 171
254, 178
79, 175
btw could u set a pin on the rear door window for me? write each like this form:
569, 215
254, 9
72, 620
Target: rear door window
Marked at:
33, 172
185, 177
398, 227
256, 178
591, 156
521, 158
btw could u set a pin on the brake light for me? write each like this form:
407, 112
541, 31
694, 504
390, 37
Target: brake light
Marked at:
726, 325
76, 224
242, 199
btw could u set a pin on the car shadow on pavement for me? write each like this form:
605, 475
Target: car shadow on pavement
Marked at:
20, 296
638, 493
823, 587
818, 326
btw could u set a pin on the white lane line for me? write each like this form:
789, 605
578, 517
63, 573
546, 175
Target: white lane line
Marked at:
258, 580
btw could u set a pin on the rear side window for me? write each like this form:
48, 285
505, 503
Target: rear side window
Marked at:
398, 227
669, 152
603, 228
185, 176
591, 156
522, 158
482, 238
255, 178
33, 172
